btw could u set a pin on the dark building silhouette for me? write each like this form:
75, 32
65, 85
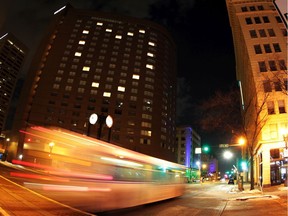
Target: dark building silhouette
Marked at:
91, 62
12, 55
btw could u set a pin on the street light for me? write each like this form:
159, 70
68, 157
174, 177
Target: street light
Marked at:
228, 155
100, 119
51, 145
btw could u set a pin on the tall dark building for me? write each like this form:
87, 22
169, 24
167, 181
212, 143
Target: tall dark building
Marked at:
92, 62
12, 54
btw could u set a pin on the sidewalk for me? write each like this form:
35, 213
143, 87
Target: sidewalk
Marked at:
277, 191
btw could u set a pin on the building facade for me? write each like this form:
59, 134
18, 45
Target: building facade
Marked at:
91, 62
187, 141
260, 43
12, 56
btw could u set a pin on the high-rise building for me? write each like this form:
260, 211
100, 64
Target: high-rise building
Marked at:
12, 55
260, 42
187, 141
91, 62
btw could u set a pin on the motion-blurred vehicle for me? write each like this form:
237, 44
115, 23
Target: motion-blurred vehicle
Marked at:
95, 175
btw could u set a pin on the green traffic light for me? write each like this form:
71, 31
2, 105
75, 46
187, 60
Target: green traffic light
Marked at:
206, 148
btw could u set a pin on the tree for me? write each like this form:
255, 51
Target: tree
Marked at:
224, 112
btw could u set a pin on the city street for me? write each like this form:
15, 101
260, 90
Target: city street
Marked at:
215, 199
208, 198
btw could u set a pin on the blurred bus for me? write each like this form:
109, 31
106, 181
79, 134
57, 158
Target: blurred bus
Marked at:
98, 176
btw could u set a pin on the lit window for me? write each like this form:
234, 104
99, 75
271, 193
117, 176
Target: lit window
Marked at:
81, 42
95, 84
135, 76
56, 86
108, 30
151, 44
146, 133
142, 31
85, 32
150, 54
121, 88
93, 92
107, 94
118, 37
99, 24
149, 66
85, 68
78, 54
130, 34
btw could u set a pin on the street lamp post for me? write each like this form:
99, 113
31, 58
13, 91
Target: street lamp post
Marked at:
51, 145
101, 119
285, 137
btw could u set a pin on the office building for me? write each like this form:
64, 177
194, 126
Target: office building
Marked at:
260, 43
98, 63
187, 141
12, 56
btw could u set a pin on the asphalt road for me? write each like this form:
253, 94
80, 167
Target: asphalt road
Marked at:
216, 199
209, 198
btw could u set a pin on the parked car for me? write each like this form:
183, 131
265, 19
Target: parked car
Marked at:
231, 181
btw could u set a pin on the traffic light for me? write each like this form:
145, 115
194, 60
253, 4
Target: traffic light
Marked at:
205, 148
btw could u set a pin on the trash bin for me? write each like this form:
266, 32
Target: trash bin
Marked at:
240, 183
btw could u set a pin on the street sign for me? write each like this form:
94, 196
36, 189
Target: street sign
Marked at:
223, 145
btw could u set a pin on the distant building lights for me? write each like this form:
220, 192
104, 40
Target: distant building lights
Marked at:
151, 43
4, 36
85, 68
106, 94
60, 10
150, 54
135, 76
95, 84
121, 89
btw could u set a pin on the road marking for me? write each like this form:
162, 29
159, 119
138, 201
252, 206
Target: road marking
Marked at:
51, 200
3, 212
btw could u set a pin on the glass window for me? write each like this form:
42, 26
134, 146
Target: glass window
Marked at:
278, 19
282, 65
252, 8
276, 47
284, 32
262, 66
267, 86
257, 20
281, 106
253, 34
266, 19
262, 33
267, 48
272, 65
271, 33
244, 9
270, 107
257, 49
277, 86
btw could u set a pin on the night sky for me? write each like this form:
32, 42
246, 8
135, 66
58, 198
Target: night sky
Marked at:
200, 29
